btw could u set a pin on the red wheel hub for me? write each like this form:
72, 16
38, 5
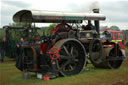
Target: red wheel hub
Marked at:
54, 53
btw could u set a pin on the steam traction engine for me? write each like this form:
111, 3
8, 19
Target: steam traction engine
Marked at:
70, 44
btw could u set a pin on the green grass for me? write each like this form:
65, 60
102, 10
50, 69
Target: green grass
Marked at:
9, 75
126, 49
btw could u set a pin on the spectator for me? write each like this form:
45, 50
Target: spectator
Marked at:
3, 45
22, 42
19, 60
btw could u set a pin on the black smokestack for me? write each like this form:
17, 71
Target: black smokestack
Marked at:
97, 24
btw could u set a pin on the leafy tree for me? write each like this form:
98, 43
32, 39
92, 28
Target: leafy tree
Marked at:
50, 27
19, 24
114, 28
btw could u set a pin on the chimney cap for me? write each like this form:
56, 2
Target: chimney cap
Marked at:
96, 10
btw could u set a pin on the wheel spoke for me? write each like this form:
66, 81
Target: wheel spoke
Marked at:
66, 50
64, 57
76, 60
62, 73
66, 63
71, 67
72, 50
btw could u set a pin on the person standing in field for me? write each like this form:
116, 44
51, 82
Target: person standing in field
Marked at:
3, 45
21, 43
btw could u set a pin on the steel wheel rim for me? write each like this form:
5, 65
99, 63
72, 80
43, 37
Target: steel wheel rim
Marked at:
115, 63
73, 64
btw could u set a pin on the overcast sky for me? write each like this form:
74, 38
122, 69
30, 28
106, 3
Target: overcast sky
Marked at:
116, 11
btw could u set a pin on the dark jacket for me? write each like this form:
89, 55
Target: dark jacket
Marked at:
3, 45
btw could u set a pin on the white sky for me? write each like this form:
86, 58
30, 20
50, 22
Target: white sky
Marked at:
116, 11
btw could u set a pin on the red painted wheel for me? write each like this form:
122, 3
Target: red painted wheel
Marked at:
54, 53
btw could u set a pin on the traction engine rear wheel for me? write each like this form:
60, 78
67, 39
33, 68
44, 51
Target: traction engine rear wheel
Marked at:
72, 58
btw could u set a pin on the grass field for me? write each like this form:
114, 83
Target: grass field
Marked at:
9, 75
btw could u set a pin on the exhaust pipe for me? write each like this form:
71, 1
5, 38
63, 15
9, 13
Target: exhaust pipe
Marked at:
97, 24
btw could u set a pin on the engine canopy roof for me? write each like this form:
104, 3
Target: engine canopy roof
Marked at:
54, 16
